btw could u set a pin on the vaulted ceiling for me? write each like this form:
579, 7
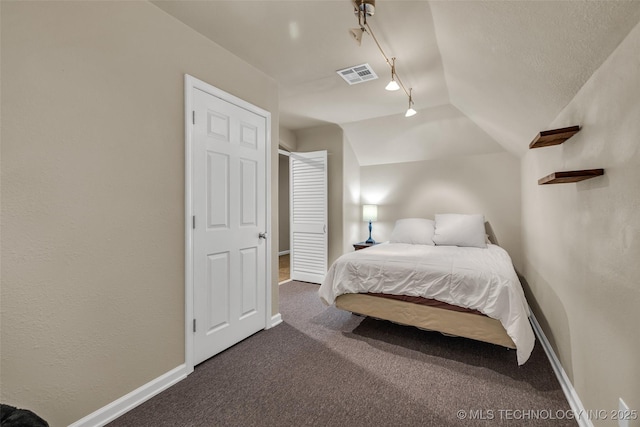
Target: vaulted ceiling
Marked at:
486, 75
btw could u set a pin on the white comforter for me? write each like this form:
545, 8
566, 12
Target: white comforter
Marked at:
480, 279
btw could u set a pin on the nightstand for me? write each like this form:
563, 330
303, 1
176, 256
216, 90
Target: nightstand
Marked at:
362, 245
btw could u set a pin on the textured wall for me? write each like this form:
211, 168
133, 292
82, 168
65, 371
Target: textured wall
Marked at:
93, 196
581, 242
487, 184
283, 204
287, 139
352, 209
511, 66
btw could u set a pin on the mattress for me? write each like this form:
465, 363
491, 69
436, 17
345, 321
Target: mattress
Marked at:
481, 279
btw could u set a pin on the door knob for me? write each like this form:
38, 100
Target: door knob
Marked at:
263, 235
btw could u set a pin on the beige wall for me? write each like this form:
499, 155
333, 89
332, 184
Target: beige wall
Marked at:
287, 139
328, 137
352, 215
93, 196
288, 143
581, 242
283, 203
487, 184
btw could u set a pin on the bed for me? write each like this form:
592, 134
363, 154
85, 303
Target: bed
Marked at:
469, 290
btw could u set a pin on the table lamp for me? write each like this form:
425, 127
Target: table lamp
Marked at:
370, 213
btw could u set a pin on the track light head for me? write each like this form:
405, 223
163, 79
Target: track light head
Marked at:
356, 34
410, 111
393, 85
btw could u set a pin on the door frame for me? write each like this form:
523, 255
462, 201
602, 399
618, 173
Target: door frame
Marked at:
191, 83
287, 154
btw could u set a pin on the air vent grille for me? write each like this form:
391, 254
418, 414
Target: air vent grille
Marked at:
357, 74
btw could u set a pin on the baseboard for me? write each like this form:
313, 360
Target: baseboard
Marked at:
276, 319
570, 393
115, 409
284, 281
283, 253
129, 401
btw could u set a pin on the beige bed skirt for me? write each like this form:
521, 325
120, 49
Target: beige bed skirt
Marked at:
468, 325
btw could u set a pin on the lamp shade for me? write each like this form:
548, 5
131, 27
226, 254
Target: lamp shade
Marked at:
369, 212
393, 85
410, 112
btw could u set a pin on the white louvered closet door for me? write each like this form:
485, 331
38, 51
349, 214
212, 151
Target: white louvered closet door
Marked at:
308, 209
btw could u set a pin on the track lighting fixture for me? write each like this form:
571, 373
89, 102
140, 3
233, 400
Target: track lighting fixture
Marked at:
393, 85
364, 9
410, 111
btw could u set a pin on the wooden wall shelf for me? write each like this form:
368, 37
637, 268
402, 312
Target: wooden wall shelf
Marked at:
570, 176
547, 138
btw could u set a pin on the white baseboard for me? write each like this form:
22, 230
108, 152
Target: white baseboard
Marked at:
124, 404
570, 393
276, 319
129, 401
284, 253
143, 393
284, 281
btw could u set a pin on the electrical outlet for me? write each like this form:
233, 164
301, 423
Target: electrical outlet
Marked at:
623, 414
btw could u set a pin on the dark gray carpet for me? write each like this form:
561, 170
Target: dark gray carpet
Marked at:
326, 367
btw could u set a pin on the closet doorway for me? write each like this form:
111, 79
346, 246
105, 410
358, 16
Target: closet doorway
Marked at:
304, 255
284, 253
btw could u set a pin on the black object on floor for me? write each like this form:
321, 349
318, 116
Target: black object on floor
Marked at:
10, 416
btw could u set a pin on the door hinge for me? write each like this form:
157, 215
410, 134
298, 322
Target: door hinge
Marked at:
194, 325
193, 116
193, 218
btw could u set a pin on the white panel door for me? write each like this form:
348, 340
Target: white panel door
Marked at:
308, 211
229, 205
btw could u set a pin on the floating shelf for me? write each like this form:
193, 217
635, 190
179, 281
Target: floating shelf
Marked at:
547, 138
570, 176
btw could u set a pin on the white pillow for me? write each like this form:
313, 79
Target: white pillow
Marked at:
416, 231
460, 230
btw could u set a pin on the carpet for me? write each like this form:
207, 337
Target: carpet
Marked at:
326, 367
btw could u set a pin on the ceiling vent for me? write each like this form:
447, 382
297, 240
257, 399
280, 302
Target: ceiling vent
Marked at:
357, 74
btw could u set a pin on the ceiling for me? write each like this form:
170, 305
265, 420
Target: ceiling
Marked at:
486, 75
